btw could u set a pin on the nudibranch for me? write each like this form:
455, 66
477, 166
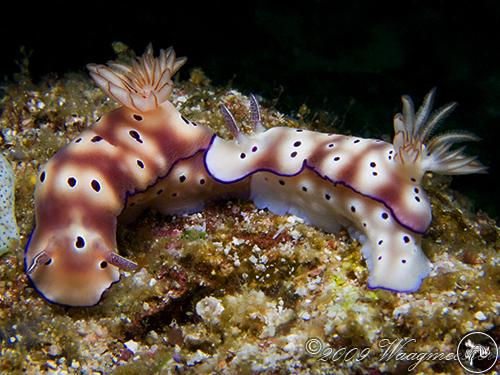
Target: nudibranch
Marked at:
369, 186
145, 154
9, 232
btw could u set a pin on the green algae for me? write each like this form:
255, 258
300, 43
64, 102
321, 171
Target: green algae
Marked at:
232, 289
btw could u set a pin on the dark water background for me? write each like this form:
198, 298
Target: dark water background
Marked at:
352, 58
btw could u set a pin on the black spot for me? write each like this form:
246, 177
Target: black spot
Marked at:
194, 123
132, 204
403, 261
390, 158
174, 194
327, 197
95, 185
202, 181
390, 152
379, 257
243, 155
331, 145
42, 177
406, 239
78, 140
293, 154
135, 135
185, 119
336, 158
356, 141
96, 138
254, 148
103, 264
72, 181
282, 182
297, 144
416, 190
159, 192
80, 242
304, 188
372, 164
384, 215
98, 119
48, 262
413, 179
137, 117
380, 242
299, 130
374, 173
417, 199
353, 209
182, 178
140, 164
364, 224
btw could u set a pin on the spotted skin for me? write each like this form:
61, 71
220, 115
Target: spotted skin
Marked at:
83, 189
186, 189
145, 154
9, 233
335, 181
392, 252
364, 165
369, 186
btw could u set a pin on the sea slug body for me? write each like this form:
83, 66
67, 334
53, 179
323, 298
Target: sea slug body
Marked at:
369, 186
9, 233
146, 154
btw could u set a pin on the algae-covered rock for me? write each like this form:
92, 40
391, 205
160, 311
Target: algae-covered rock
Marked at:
232, 289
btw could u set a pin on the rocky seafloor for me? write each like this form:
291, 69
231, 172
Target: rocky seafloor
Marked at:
232, 289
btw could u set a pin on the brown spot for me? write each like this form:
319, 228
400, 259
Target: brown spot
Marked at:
80, 242
472, 256
95, 185
134, 134
350, 170
72, 181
